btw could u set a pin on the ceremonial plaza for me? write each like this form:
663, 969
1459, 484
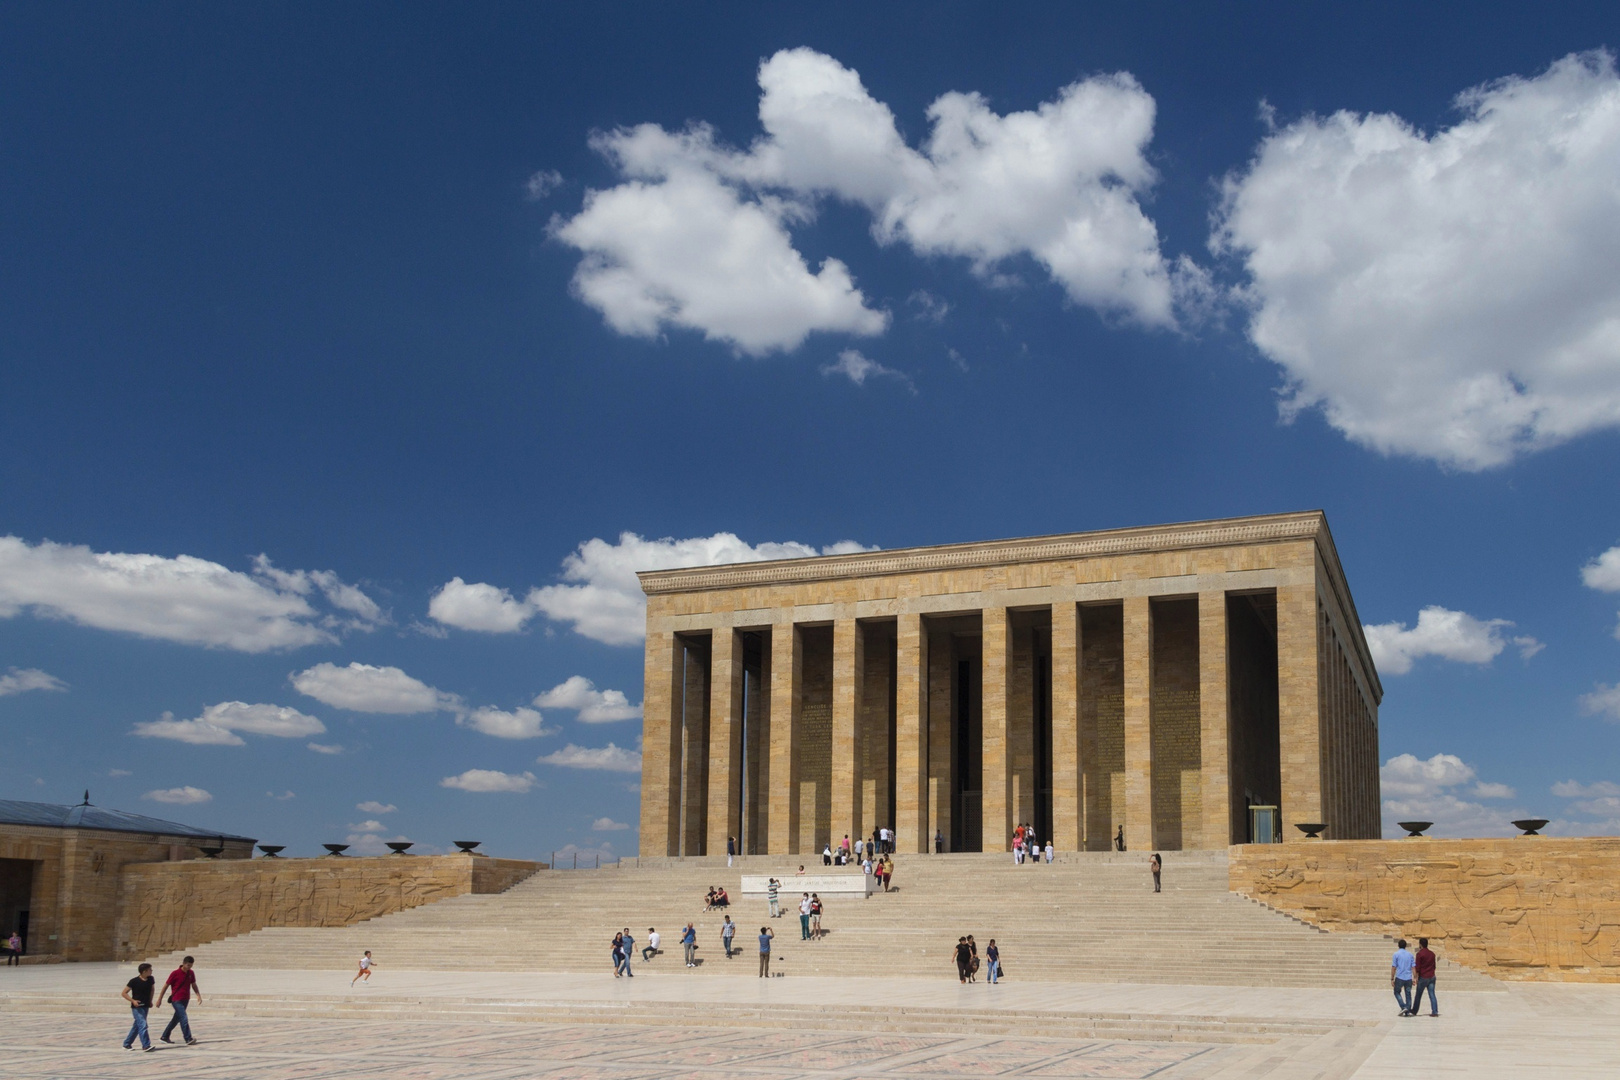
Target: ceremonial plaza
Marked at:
1200, 692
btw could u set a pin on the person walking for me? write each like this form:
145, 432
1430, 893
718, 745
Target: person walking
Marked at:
1155, 864
14, 949
731, 850
181, 985
1119, 839
1425, 978
992, 957
815, 916
888, 874
727, 932
964, 957
804, 918
973, 966
629, 951
653, 941
826, 855
1049, 853
765, 935
939, 842
1032, 845
618, 955
689, 944
365, 970
1401, 967
138, 992
773, 890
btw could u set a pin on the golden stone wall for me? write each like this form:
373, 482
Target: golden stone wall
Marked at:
1528, 907
167, 906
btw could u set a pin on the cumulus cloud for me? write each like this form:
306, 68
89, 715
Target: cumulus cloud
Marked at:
697, 234
478, 607
593, 706
179, 796
182, 599
857, 369
372, 842
1603, 572
219, 724
1447, 295
22, 680
607, 824
368, 689
1451, 635
607, 758
599, 594
542, 183
484, 781
520, 723
1437, 790
1604, 701
368, 826
372, 806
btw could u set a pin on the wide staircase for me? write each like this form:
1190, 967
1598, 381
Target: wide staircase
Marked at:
1088, 917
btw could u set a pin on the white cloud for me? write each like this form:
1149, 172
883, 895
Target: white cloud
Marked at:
607, 824
489, 780
478, 607
520, 723
283, 797
608, 758
930, 308
1419, 790
179, 796
119, 772
542, 183
182, 599
368, 689
688, 251
1603, 572
218, 725
22, 680
857, 369
602, 598
1448, 295
368, 827
697, 234
1604, 700
326, 748
372, 806
1452, 635
371, 843
1574, 789
593, 706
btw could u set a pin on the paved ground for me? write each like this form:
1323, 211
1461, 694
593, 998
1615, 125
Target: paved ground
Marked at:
1571, 1032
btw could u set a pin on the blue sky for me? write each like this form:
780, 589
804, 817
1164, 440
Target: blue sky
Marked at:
429, 306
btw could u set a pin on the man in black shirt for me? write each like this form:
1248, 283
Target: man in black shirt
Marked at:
138, 992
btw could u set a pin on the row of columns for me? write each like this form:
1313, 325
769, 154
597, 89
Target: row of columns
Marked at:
706, 764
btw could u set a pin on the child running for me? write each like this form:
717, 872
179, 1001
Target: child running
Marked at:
366, 964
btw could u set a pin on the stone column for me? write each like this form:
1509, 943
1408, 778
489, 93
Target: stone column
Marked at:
849, 678
725, 738
1299, 721
787, 676
1068, 825
1139, 833
998, 802
661, 746
1214, 721
911, 725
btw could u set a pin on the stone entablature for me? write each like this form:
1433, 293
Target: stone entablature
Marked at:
969, 687
1525, 907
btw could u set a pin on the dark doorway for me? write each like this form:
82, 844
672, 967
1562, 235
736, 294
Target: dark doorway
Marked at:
16, 886
1256, 760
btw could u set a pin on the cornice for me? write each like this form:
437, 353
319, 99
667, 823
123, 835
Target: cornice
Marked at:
1226, 532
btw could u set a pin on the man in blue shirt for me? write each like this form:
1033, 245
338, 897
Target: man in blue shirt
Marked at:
765, 935
629, 947
1401, 966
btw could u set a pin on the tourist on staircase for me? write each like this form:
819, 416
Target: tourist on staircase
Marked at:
629, 949
689, 943
727, 932
992, 956
765, 935
652, 949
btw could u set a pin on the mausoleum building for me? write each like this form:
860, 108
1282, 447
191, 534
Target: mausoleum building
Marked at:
1164, 681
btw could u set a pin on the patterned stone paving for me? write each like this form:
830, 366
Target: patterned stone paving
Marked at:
71, 1047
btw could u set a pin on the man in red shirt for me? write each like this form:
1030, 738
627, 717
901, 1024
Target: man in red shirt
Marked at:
180, 987
1425, 978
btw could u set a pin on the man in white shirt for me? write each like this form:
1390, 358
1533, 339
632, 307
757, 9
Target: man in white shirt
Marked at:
652, 949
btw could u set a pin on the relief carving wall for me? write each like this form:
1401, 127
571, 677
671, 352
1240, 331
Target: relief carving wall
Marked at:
168, 906
1529, 908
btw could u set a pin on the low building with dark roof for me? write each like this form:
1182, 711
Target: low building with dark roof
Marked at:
59, 870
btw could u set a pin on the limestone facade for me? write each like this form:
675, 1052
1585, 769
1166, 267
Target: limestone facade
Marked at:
1525, 907
1159, 680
